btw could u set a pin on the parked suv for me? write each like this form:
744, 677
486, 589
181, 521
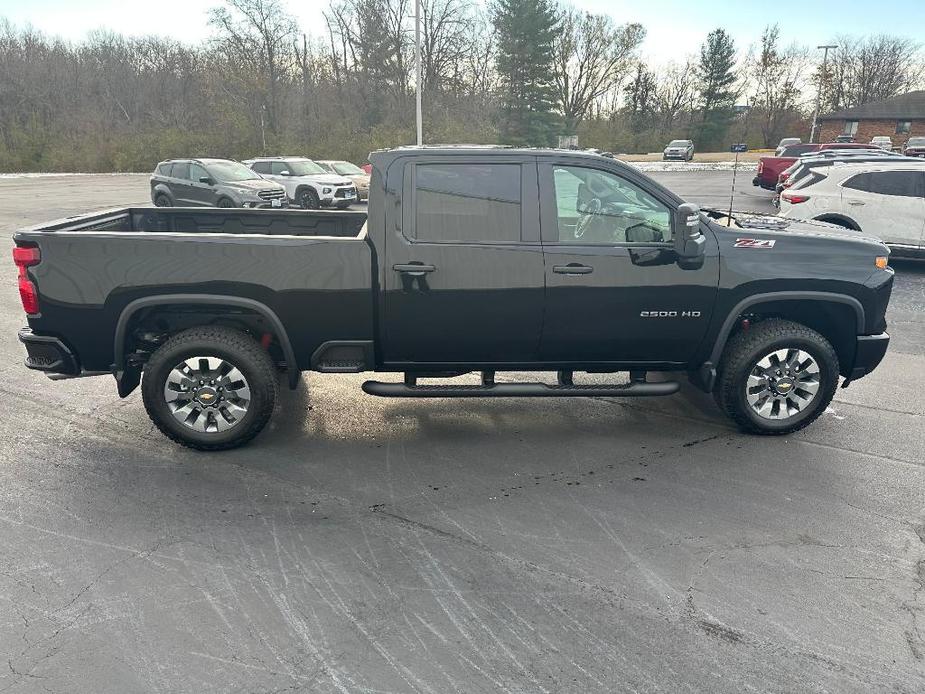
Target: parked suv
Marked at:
344, 168
307, 184
679, 149
914, 147
880, 198
212, 183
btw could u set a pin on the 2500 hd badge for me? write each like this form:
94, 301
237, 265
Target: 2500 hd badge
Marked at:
669, 314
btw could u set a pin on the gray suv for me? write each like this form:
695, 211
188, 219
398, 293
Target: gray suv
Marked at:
212, 183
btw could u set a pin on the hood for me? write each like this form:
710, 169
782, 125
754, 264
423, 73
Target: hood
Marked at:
253, 184
801, 227
326, 179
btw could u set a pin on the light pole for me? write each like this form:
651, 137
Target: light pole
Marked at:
417, 71
825, 59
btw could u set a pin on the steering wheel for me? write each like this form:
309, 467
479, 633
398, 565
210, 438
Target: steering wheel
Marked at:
592, 209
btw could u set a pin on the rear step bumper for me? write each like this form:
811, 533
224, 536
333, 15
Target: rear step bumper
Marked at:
519, 390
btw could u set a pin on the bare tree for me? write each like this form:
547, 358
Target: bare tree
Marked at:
593, 56
674, 92
776, 75
259, 34
871, 69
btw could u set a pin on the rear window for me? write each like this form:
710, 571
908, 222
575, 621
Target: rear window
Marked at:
467, 202
797, 150
907, 184
164, 169
180, 170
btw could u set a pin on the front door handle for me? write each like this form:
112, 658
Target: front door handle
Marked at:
413, 269
572, 269
856, 203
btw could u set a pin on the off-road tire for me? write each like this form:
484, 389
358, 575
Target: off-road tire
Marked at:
237, 348
742, 353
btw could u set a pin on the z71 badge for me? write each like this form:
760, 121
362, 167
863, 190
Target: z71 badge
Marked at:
754, 243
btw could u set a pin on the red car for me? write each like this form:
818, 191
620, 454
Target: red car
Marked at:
770, 168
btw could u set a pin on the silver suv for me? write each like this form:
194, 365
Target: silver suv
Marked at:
307, 185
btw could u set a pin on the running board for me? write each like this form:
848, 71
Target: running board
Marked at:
520, 390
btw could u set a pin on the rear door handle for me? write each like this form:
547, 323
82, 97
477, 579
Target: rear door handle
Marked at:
413, 269
573, 269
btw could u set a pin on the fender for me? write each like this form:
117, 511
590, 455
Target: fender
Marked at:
706, 374
128, 379
840, 219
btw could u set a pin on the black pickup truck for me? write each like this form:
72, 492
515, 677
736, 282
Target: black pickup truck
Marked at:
469, 260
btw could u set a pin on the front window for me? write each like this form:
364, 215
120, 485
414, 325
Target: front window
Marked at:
903, 126
345, 168
598, 207
851, 128
230, 171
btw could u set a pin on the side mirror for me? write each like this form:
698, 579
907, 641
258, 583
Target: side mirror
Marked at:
285, 172
689, 242
207, 180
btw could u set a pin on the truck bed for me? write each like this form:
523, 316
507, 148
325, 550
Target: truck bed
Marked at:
311, 269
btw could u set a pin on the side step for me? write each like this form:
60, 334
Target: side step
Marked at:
519, 390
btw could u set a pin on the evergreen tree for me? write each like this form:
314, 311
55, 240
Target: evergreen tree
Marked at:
716, 78
526, 32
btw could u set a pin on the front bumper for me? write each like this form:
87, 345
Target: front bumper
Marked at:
679, 156
868, 354
49, 354
266, 204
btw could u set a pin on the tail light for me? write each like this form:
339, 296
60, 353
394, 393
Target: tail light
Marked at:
783, 177
760, 165
25, 257
794, 198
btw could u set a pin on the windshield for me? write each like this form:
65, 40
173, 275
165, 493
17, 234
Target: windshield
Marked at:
304, 167
230, 171
345, 168
916, 142
678, 143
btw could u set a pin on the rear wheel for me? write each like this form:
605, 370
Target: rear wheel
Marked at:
210, 388
776, 377
161, 200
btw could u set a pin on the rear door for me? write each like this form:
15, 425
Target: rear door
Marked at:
614, 292
888, 204
464, 263
180, 184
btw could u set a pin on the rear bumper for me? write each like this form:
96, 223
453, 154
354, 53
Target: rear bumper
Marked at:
868, 354
49, 354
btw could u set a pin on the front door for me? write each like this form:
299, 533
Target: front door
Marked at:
614, 293
464, 263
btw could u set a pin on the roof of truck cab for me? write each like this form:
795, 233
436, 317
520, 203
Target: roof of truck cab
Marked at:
383, 158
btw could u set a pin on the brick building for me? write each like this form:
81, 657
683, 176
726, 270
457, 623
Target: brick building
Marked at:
898, 118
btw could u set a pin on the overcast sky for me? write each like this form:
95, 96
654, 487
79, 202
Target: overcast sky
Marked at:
675, 27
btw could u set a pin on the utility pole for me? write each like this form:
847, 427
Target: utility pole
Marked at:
417, 70
825, 60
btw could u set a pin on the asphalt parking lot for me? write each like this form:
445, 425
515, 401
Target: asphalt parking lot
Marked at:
370, 545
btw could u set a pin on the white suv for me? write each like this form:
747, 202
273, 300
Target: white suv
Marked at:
884, 199
308, 185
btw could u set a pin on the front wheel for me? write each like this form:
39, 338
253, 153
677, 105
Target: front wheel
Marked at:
776, 377
210, 388
225, 203
308, 199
